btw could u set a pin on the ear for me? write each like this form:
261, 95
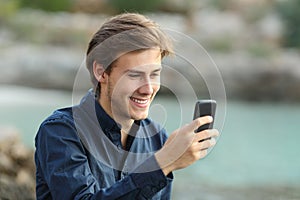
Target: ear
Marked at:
98, 71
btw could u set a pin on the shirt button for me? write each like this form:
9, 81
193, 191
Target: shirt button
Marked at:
122, 176
154, 189
162, 184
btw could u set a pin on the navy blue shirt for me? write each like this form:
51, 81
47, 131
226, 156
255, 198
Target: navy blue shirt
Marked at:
79, 155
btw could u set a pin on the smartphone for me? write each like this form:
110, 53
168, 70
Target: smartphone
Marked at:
204, 108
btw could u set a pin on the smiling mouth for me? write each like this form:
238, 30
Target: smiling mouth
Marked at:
139, 101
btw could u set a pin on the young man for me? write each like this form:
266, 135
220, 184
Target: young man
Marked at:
106, 147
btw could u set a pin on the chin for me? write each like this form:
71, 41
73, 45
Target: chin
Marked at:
139, 116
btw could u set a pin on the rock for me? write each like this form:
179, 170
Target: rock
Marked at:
246, 53
38, 66
270, 79
17, 171
270, 29
7, 165
24, 177
212, 24
20, 153
10, 190
8, 137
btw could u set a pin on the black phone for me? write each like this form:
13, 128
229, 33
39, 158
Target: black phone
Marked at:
204, 108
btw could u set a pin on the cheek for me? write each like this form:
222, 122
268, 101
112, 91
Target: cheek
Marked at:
156, 87
124, 87
155, 84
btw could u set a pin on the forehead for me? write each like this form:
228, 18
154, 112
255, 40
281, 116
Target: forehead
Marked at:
138, 59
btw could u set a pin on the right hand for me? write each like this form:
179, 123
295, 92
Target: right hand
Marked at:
183, 147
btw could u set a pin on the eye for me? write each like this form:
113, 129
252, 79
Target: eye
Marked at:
134, 75
154, 75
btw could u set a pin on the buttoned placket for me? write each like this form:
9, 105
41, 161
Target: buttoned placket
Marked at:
128, 145
115, 136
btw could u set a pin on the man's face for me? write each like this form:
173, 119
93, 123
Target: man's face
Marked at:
132, 84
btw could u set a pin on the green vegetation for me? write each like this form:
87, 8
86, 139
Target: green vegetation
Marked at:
290, 13
114, 5
224, 44
40, 32
220, 4
48, 5
135, 5
8, 8
287, 9
260, 50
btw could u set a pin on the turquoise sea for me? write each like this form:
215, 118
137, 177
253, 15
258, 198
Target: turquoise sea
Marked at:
256, 157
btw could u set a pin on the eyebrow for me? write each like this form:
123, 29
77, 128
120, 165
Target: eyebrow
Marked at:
141, 72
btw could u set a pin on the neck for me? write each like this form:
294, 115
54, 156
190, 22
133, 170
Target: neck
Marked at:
124, 121
126, 125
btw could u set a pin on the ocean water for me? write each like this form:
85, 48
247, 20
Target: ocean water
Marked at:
256, 156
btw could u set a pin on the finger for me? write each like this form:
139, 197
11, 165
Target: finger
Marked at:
201, 121
203, 153
206, 134
206, 144
172, 137
214, 132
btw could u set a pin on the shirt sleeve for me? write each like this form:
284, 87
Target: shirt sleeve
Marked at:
62, 162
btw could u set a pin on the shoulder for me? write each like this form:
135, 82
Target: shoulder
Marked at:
59, 123
60, 115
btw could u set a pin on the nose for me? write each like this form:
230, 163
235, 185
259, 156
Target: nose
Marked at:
146, 89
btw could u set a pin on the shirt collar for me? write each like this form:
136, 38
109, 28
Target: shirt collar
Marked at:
105, 121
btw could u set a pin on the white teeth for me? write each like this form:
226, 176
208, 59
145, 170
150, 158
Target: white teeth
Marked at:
139, 101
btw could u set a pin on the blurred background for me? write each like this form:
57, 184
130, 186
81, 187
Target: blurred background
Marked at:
254, 43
